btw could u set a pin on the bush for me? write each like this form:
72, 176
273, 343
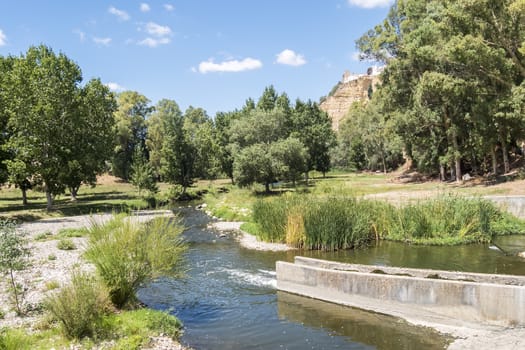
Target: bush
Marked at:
66, 244
127, 255
80, 306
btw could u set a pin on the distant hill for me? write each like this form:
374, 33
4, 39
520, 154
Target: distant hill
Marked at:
351, 88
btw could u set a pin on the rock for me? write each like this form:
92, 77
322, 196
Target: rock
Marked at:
466, 177
521, 255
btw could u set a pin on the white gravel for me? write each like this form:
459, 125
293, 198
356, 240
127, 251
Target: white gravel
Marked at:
245, 239
50, 264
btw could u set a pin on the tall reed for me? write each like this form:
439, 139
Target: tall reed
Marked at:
331, 223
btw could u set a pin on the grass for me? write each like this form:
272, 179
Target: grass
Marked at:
125, 330
66, 244
341, 222
127, 254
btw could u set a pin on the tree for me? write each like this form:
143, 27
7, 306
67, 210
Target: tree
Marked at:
142, 175
178, 153
292, 158
255, 164
43, 114
133, 110
452, 67
313, 128
199, 131
92, 138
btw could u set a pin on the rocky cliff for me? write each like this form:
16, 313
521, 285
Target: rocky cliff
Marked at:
350, 89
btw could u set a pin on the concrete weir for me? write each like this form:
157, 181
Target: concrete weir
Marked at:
436, 297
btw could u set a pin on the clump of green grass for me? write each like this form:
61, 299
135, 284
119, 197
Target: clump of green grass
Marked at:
51, 257
14, 339
50, 285
72, 232
126, 254
66, 244
44, 236
79, 306
450, 220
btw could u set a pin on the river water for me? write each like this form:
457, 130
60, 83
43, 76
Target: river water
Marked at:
228, 298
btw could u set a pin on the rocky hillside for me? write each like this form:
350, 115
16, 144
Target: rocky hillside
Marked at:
350, 89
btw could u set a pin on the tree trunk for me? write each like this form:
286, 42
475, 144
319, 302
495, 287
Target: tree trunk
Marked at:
49, 198
267, 187
306, 177
452, 171
74, 193
494, 161
383, 162
442, 173
506, 162
457, 159
24, 196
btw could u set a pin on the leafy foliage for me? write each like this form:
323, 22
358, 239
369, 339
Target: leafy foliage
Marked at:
13, 257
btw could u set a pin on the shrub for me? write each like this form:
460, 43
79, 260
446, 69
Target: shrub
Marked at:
127, 255
13, 257
66, 244
79, 306
51, 257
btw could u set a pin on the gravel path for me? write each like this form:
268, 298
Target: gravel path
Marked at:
51, 266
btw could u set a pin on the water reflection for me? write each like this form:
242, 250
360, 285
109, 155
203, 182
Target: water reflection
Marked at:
360, 326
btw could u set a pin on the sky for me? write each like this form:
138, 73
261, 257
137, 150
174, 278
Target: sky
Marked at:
212, 54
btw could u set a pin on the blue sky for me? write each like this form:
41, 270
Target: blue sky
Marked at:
212, 54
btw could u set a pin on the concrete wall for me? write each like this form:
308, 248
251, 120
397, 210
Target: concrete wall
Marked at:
513, 204
405, 296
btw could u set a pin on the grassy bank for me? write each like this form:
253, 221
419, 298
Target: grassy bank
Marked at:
99, 309
124, 330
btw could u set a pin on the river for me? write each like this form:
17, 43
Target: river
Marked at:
228, 298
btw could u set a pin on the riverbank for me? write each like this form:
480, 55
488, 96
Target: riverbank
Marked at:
466, 335
50, 267
246, 239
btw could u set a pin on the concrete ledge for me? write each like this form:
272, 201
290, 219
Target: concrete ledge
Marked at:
409, 293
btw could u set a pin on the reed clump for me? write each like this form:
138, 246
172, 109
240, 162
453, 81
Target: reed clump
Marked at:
331, 223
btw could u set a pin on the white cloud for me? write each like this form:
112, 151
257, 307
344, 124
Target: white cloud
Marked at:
102, 41
122, 15
290, 58
3, 38
157, 30
229, 66
81, 34
151, 42
169, 7
115, 87
368, 4
144, 7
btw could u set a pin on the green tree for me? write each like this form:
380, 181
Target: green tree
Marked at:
43, 114
313, 128
92, 138
178, 152
142, 174
133, 110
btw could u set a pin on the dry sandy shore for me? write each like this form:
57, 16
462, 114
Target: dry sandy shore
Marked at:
48, 264
467, 336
